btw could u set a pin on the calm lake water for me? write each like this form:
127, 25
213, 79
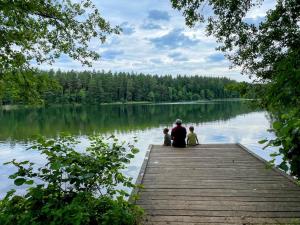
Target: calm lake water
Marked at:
214, 122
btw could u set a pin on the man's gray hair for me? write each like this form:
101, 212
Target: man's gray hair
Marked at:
178, 121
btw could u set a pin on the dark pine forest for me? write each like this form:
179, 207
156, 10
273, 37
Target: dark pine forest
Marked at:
87, 87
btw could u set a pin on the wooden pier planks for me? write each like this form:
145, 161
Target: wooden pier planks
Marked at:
215, 184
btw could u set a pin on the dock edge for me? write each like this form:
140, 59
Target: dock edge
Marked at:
289, 177
139, 179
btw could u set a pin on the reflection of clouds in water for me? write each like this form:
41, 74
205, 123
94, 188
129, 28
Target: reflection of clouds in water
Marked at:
220, 138
20, 153
131, 171
246, 129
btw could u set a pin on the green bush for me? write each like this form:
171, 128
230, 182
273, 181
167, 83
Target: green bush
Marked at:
286, 127
73, 187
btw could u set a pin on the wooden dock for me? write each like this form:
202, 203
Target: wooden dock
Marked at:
215, 184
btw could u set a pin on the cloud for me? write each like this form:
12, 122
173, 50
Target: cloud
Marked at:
255, 21
177, 56
65, 58
218, 57
174, 39
151, 26
156, 61
261, 11
158, 15
111, 54
127, 29
154, 44
111, 42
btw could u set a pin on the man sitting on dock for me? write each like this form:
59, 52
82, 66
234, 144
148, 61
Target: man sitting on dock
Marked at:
178, 135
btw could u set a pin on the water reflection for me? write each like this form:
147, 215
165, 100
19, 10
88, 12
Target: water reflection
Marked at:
220, 122
19, 125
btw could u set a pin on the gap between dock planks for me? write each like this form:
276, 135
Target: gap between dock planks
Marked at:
214, 184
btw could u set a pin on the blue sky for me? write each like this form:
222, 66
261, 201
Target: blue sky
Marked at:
155, 40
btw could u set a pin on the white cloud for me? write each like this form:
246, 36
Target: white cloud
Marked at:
260, 11
161, 44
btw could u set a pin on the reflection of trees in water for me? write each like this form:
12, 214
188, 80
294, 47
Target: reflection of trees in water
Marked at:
24, 123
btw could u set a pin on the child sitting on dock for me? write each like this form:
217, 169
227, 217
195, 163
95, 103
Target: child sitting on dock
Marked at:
192, 139
167, 138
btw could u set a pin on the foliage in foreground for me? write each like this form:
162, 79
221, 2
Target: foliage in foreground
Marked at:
73, 187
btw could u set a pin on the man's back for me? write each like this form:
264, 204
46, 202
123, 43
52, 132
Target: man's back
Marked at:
178, 135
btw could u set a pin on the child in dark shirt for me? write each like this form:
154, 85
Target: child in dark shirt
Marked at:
167, 137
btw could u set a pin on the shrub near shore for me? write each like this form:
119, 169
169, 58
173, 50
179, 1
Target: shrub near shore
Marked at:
73, 187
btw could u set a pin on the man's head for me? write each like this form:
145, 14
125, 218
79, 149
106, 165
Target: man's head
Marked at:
178, 122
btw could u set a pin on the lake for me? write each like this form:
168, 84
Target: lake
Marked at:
214, 122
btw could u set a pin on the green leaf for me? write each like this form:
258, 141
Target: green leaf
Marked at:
13, 176
130, 156
29, 182
24, 162
262, 141
19, 181
135, 150
49, 143
10, 193
55, 166
283, 166
270, 164
274, 154
276, 125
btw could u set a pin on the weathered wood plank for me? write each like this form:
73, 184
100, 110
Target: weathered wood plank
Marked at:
140, 177
212, 181
213, 220
225, 192
223, 213
210, 170
203, 165
216, 176
215, 184
212, 223
229, 207
222, 198
158, 202
222, 186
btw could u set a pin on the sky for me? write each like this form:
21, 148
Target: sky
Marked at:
155, 40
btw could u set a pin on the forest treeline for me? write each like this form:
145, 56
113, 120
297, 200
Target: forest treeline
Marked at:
49, 87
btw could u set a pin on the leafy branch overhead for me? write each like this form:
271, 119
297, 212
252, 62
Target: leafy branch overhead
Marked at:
269, 51
257, 48
41, 30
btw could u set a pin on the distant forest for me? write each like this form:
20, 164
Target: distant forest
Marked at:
49, 87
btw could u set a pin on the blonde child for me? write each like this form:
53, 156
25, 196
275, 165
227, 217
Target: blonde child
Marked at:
192, 139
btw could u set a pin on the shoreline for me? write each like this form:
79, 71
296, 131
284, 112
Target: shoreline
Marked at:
15, 107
